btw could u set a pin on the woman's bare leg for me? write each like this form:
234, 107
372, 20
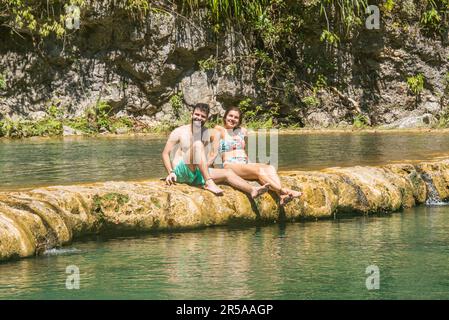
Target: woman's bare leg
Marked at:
265, 174
257, 171
230, 177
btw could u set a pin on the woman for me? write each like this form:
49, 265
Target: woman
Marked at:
230, 142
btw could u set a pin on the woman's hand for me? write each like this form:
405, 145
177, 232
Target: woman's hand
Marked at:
171, 179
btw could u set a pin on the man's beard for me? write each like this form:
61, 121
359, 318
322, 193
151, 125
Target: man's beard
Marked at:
197, 129
198, 123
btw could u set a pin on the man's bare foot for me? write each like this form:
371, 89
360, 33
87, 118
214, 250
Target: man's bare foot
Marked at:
257, 191
212, 187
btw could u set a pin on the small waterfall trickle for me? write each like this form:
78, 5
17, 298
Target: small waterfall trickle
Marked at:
59, 251
433, 198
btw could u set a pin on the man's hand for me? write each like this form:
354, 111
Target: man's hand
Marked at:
171, 179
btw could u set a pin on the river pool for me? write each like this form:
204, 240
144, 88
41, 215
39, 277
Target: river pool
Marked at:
310, 260
63, 161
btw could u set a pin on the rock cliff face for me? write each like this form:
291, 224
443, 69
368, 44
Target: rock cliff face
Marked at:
34, 221
137, 66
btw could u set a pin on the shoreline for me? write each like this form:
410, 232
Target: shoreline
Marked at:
281, 131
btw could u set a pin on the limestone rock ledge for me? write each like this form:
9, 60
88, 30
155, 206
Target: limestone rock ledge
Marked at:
34, 221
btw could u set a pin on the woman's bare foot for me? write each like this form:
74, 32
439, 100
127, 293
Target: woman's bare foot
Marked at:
257, 191
212, 187
284, 199
294, 193
288, 195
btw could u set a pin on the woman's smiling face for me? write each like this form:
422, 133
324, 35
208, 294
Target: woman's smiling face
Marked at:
232, 119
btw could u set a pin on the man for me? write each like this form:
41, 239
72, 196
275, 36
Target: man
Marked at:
190, 164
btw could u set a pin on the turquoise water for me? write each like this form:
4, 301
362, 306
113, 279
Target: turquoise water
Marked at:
51, 161
310, 260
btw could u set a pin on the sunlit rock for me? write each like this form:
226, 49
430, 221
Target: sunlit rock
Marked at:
44, 218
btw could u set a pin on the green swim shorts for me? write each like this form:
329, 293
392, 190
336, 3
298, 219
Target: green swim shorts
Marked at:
185, 175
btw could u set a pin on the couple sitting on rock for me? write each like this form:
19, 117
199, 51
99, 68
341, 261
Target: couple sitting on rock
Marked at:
191, 165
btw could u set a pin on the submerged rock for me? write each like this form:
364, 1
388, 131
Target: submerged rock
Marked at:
32, 222
69, 131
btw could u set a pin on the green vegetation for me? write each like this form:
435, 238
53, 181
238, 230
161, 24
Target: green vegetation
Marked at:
273, 28
446, 82
42, 19
98, 116
431, 18
121, 199
99, 119
176, 103
444, 120
168, 125
288, 57
80, 124
109, 199
329, 37
208, 64
360, 121
22, 128
434, 18
389, 5
37, 18
416, 84
96, 120
2, 82
256, 116
311, 101
48, 126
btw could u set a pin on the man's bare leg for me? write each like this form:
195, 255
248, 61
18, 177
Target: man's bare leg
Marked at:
200, 156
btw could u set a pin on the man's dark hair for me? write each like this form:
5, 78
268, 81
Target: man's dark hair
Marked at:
201, 106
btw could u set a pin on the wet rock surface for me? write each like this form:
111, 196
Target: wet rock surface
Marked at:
37, 220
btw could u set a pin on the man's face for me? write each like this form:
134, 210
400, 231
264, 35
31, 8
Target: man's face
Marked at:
199, 117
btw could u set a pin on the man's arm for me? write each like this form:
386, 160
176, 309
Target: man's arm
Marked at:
173, 139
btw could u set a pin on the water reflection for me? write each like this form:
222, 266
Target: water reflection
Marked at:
312, 260
36, 162
344, 149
